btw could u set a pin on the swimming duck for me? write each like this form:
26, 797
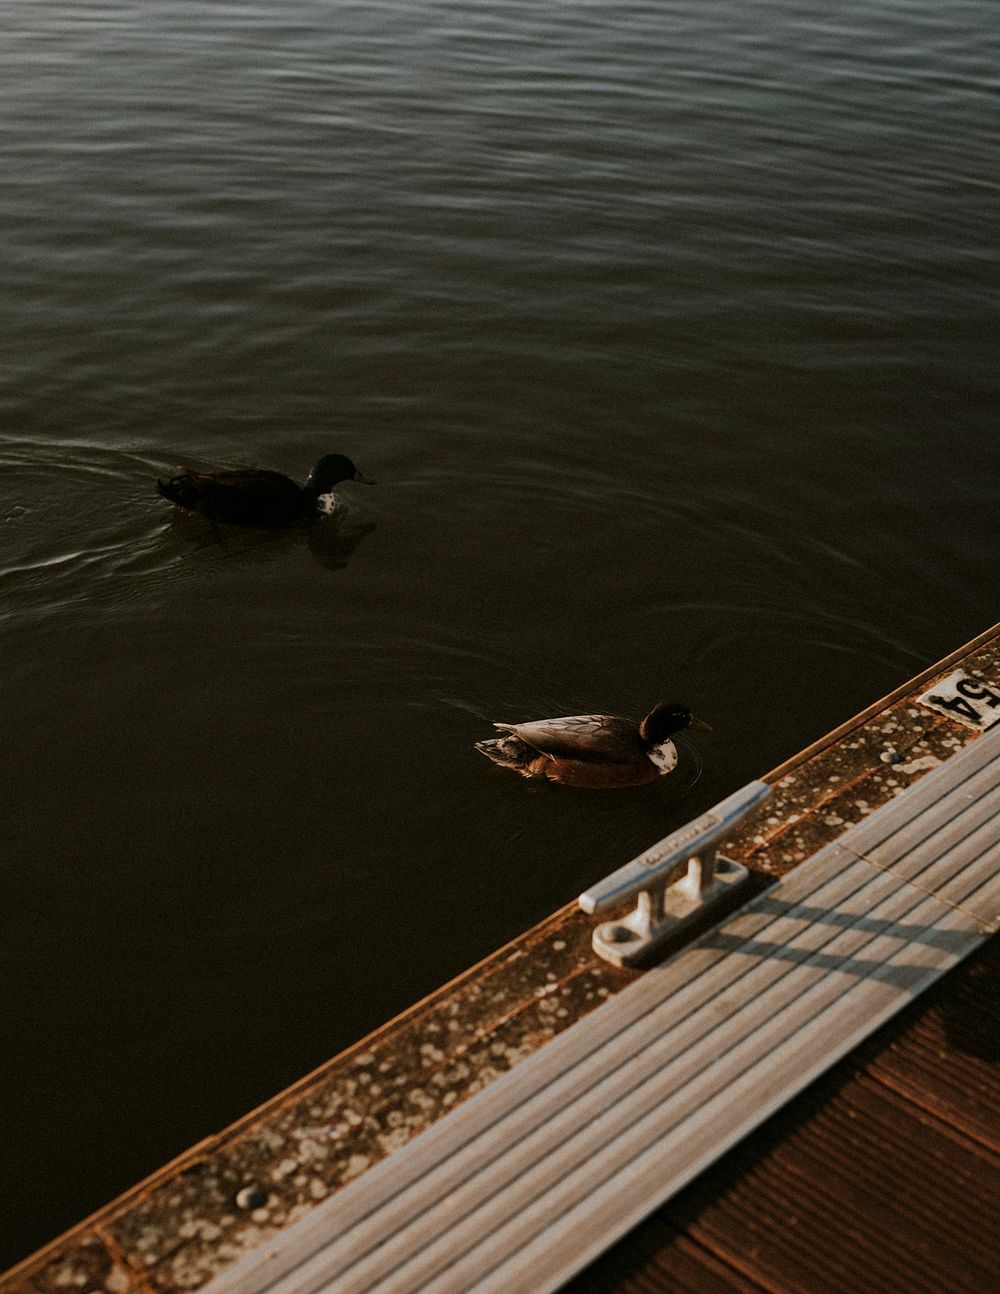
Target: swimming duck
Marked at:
593, 750
253, 496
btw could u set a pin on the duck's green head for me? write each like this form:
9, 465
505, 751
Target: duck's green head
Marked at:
330, 471
666, 718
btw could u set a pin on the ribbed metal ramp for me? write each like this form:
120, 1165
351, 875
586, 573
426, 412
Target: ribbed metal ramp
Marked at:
543, 1170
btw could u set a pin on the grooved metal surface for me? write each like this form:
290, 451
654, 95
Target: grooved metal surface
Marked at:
522, 1185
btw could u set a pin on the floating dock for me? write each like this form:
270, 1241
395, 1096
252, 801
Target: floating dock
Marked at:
524, 1120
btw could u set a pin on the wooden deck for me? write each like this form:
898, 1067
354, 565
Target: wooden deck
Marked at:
882, 1175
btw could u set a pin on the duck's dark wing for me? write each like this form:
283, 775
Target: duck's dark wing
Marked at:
249, 478
251, 495
580, 736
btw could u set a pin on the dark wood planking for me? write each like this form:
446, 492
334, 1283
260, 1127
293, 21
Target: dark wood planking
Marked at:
673, 1263
948, 1060
853, 1198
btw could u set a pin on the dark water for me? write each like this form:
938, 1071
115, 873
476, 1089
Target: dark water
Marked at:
669, 332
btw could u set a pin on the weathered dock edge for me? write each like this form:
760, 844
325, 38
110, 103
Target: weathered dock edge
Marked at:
182, 1226
558, 1159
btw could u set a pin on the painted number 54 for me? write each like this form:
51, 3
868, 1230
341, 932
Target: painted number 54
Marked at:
966, 699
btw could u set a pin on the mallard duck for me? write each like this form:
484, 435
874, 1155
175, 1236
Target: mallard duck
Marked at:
253, 496
593, 750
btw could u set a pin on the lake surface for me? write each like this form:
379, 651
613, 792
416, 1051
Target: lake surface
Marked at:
668, 331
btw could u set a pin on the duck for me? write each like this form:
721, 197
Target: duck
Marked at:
596, 751
254, 496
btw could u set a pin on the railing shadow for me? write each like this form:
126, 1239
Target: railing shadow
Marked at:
907, 976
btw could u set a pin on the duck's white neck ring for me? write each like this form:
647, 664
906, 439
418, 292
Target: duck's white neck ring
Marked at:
664, 756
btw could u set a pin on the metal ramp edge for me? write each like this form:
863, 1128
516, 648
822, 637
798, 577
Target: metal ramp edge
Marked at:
537, 1174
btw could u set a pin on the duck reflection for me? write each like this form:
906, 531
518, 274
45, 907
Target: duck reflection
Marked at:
331, 542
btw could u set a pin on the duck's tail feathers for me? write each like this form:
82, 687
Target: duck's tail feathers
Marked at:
508, 752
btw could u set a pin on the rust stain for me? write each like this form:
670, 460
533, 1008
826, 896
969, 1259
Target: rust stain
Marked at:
231, 1193
89, 1264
